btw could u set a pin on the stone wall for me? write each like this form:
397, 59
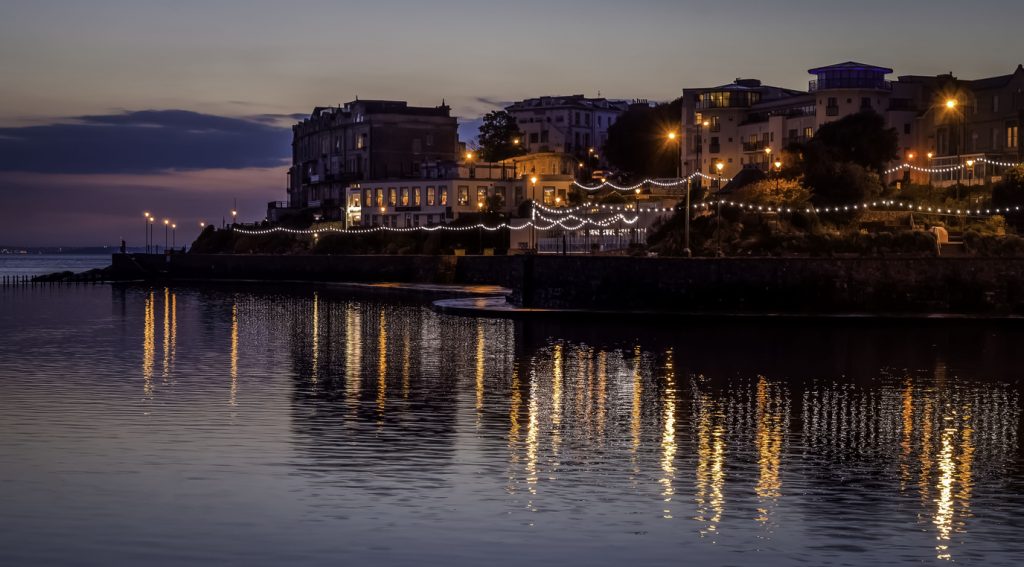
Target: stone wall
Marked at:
776, 285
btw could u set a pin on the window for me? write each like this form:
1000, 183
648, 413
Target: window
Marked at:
481, 194
549, 196
808, 132
543, 136
715, 124
444, 196
1011, 136
995, 138
392, 196
499, 196
519, 194
380, 197
533, 137
405, 196
715, 147
906, 128
430, 140
865, 102
415, 196
431, 196
463, 195
360, 141
367, 198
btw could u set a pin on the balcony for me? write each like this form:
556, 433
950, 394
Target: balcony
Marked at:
831, 111
849, 83
757, 146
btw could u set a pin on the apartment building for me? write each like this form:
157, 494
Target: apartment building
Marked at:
365, 139
742, 124
573, 125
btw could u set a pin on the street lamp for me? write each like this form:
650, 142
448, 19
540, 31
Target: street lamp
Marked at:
778, 171
718, 216
673, 137
533, 210
234, 215
174, 242
145, 230
167, 223
767, 157
970, 166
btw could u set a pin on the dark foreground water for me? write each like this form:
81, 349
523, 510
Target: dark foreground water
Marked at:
257, 426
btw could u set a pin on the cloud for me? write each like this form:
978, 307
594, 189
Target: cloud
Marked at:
146, 141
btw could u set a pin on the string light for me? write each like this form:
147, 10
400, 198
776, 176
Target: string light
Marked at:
657, 182
883, 204
947, 169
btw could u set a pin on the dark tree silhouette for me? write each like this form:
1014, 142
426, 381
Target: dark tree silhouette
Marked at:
638, 143
498, 136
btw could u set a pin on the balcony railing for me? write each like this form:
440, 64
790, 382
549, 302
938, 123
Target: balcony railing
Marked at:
757, 146
849, 83
831, 111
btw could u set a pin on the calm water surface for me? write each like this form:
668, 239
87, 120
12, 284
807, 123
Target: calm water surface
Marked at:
259, 426
40, 264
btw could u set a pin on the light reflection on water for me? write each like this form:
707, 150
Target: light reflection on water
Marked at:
276, 425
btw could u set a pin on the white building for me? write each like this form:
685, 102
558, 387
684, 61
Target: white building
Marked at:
574, 125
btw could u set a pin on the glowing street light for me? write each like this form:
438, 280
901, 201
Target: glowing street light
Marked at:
951, 103
469, 156
672, 136
718, 217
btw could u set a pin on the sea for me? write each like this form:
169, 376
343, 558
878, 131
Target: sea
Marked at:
41, 264
248, 424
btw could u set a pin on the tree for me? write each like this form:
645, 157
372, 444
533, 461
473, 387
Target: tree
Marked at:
500, 137
773, 193
842, 162
1010, 193
860, 138
638, 142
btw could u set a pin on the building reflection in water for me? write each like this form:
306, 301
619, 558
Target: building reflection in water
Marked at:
644, 416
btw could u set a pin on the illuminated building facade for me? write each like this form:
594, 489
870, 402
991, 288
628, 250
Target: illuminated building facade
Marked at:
745, 124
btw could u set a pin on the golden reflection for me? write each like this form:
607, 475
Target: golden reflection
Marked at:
906, 433
770, 423
353, 353
637, 409
406, 363
709, 493
174, 326
382, 363
943, 519
531, 436
149, 345
167, 332
556, 402
233, 399
479, 369
514, 407
668, 437
315, 373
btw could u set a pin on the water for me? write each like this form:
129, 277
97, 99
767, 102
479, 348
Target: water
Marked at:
270, 426
40, 264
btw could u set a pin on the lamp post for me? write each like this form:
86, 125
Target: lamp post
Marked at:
167, 223
234, 215
145, 230
533, 211
718, 216
152, 221
767, 159
480, 227
174, 242
672, 136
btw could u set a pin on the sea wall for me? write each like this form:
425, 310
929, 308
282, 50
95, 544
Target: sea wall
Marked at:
775, 285
911, 285
427, 269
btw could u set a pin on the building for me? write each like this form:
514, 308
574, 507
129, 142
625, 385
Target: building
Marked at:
446, 191
573, 125
742, 124
364, 139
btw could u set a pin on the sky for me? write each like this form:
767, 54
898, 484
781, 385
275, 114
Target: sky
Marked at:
109, 108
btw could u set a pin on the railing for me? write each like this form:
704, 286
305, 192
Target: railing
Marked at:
831, 111
849, 83
757, 146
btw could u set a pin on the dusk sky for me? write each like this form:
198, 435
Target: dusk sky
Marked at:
112, 107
